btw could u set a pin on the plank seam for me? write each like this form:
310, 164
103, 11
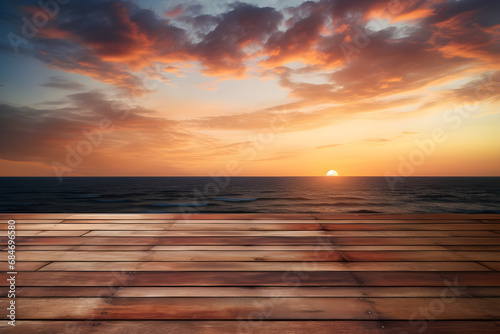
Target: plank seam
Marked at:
44, 265
482, 264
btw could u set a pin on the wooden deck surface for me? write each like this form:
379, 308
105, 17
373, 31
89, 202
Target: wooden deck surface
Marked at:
228, 273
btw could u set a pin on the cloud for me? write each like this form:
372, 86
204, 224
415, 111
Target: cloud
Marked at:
70, 57
118, 42
225, 49
376, 140
356, 143
112, 41
174, 12
136, 136
328, 146
297, 42
422, 54
61, 83
291, 117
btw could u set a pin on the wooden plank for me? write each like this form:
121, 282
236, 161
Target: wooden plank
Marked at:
44, 279
46, 247
175, 241
341, 241
201, 216
56, 291
415, 241
410, 227
480, 256
76, 248
92, 326
195, 221
398, 221
87, 227
319, 278
119, 221
171, 233
248, 226
170, 226
493, 265
22, 266
355, 221
350, 221
201, 266
297, 247
120, 216
281, 292
410, 234
20, 222
303, 292
420, 256
264, 266
387, 278
237, 308
45, 233
439, 327
473, 248
413, 216
176, 256
254, 247
448, 308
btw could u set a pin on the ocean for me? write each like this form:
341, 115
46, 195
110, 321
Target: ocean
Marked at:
249, 195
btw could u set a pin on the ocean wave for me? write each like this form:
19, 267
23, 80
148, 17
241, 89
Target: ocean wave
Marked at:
283, 198
21, 204
84, 196
124, 194
347, 198
486, 211
179, 204
439, 198
168, 192
225, 199
359, 204
113, 201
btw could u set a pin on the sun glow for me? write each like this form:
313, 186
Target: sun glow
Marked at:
332, 173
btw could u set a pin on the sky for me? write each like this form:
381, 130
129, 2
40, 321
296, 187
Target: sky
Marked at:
252, 88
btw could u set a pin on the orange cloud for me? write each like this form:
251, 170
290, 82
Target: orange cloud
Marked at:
174, 12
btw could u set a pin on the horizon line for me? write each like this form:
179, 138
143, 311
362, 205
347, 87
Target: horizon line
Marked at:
236, 176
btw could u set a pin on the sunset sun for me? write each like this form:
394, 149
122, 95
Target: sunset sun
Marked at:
332, 173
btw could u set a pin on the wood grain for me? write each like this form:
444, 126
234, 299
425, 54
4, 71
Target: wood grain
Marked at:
93, 326
251, 273
236, 308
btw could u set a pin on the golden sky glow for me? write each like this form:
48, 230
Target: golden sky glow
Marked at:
278, 88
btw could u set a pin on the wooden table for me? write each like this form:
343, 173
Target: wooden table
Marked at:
249, 273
